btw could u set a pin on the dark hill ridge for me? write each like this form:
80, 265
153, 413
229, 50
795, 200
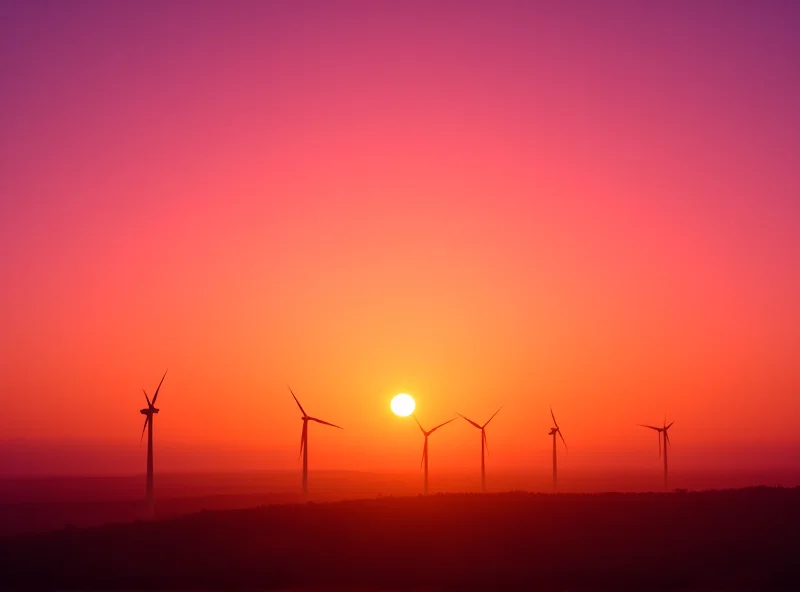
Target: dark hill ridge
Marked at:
735, 539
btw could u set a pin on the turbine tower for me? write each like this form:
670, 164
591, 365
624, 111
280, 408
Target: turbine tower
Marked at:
553, 431
304, 439
148, 413
664, 430
425, 447
484, 445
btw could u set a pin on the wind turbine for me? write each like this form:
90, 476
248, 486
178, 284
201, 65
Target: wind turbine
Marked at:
484, 445
148, 425
553, 431
304, 439
665, 431
425, 447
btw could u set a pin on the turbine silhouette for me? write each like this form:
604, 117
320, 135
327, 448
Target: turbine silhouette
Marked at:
425, 447
553, 431
484, 445
148, 413
304, 439
662, 432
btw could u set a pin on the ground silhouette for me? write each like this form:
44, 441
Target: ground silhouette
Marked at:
720, 540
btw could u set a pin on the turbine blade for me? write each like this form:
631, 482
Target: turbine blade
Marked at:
666, 436
492, 417
144, 427
441, 424
562, 439
424, 452
469, 420
553, 416
159, 386
669, 426
333, 425
303, 411
420, 425
651, 427
485, 441
146, 397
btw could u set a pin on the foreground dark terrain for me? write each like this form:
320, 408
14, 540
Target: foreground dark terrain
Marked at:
736, 539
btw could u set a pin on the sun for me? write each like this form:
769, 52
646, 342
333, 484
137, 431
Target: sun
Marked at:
403, 405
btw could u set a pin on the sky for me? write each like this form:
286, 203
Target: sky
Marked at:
589, 205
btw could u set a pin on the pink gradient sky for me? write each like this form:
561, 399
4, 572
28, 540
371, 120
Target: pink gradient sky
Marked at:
594, 206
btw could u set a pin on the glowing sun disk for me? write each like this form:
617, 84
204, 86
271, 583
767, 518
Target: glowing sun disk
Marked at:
403, 405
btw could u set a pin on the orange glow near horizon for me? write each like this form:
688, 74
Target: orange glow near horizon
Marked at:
479, 208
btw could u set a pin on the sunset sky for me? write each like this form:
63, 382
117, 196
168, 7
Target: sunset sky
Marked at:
594, 205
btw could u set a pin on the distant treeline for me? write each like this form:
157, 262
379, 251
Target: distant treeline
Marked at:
737, 539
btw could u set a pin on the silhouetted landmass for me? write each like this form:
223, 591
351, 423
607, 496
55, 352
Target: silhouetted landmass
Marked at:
36, 504
735, 539
43, 516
